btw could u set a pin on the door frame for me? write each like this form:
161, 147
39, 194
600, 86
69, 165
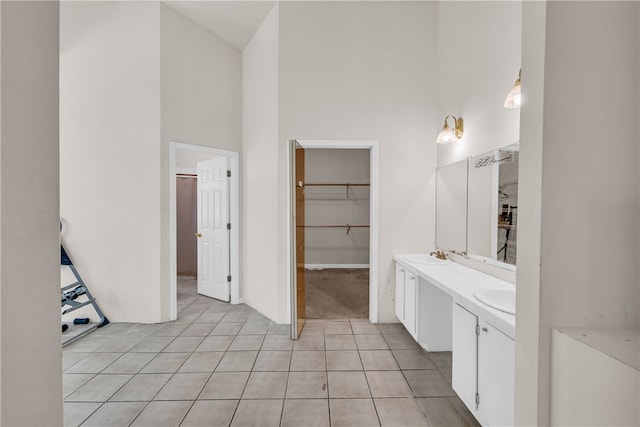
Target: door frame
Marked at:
234, 218
372, 146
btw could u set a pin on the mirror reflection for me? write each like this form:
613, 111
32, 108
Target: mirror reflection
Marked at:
490, 182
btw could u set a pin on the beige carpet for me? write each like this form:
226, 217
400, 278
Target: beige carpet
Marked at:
337, 293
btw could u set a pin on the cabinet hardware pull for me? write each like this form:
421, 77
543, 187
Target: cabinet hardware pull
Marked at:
485, 330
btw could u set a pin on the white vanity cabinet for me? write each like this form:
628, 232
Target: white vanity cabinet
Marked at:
483, 368
406, 298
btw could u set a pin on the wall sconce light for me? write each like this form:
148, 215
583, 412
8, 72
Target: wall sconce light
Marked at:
447, 135
514, 99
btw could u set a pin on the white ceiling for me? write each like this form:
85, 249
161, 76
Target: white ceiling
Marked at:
234, 21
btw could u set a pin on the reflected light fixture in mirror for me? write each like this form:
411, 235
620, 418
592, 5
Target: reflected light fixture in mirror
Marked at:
514, 98
448, 135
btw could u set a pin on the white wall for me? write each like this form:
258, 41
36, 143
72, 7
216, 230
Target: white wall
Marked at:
479, 45
332, 206
134, 76
30, 354
201, 88
365, 71
260, 285
589, 200
109, 152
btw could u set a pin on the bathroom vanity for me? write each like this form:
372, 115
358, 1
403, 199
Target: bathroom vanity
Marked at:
436, 302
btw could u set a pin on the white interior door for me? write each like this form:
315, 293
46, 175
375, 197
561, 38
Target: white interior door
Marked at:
213, 234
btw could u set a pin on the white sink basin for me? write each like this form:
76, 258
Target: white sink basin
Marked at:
425, 259
500, 299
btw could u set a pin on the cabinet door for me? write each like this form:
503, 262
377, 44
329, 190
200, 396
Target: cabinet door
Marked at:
410, 302
496, 361
400, 292
464, 359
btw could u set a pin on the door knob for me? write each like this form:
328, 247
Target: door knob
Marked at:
198, 234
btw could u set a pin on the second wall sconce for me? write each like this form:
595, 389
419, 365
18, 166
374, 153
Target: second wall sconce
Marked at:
448, 135
514, 97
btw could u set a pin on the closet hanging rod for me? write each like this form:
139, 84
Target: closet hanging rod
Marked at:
334, 184
347, 226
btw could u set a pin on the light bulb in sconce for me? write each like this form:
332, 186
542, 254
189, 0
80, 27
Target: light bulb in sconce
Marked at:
514, 97
447, 134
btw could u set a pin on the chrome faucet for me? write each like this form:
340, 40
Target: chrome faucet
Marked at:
438, 254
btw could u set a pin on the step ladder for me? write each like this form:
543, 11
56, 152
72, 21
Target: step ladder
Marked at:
73, 297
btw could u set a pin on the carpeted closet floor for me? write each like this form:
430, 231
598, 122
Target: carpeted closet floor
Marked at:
337, 293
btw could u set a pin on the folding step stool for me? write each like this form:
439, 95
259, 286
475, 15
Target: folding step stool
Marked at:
69, 295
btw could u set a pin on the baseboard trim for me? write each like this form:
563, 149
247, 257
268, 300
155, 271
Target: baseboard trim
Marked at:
323, 266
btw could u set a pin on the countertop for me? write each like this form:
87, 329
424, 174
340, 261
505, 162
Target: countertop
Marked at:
461, 282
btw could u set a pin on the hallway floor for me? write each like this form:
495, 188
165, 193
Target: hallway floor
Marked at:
220, 365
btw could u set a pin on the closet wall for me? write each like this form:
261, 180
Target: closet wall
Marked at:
336, 206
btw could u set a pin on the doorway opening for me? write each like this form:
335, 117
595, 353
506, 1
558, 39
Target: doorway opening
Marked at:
204, 222
333, 230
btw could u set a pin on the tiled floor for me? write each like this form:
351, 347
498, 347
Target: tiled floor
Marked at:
220, 364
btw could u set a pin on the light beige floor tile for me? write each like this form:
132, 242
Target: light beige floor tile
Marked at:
258, 413
226, 328
183, 386
313, 327
197, 329
93, 363
76, 412
337, 327
429, 383
235, 317
215, 343
441, 412
343, 360
401, 342
305, 412
211, 318
119, 344
371, 342
266, 385
72, 382
277, 342
272, 361
307, 385
378, 360
388, 384
308, 361
400, 412
115, 414
275, 329
353, 413
142, 387
99, 389
391, 328
165, 414
202, 361
344, 385
340, 342
165, 363
413, 359
183, 345
237, 361
71, 358
225, 385
443, 362
364, 327
129, 363
246, 342
309, 342
210, 413
170, 330
254, 329
152, 344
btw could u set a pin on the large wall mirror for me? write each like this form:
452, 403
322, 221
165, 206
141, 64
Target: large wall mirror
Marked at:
491, 208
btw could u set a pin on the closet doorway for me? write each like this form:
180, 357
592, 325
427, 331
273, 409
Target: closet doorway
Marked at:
334, 227
203, 224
